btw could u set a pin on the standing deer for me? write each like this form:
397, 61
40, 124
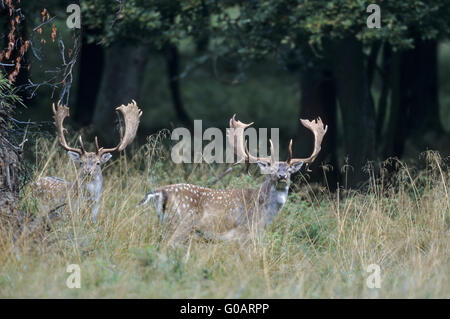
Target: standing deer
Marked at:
234, 213
88, 185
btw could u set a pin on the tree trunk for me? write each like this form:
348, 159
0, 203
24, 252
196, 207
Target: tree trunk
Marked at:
9, 170
172, 57
318, 99
358, 113
396, 131
419, 70
414, 100
90, 72
386, 70
121, 82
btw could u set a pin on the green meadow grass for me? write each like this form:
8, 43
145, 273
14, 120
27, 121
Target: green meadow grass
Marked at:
319, 246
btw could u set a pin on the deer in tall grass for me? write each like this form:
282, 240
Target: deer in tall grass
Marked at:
233, 213
87, 188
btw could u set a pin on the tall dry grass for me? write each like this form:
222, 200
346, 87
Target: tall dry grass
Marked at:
318, 247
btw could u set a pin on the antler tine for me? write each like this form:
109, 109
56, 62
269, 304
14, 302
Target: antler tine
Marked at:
131, 114
237, 140
272, 152
96, 145
290, 151
59, 114
319, 130
81, 144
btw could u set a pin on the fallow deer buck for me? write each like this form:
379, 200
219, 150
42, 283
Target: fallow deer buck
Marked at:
87, 189
233, 213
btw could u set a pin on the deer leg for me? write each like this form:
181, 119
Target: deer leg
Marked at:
94, 212
183, 229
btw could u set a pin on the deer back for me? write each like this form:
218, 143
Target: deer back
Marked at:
52, 191
208, 210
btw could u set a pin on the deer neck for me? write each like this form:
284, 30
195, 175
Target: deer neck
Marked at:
92, 191
94, 186
272, 198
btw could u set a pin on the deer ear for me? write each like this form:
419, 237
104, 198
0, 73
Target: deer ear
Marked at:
74, 156
264, 167
105, 157
295, 167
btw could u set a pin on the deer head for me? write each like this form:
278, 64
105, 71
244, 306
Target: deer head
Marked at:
279, 171
90, 162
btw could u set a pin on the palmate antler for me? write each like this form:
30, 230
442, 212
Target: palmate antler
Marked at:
319, 131
59, 114
130, 112
237, 140
131, 115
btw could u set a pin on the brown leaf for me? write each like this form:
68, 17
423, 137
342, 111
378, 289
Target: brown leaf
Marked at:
53, 33
44, 14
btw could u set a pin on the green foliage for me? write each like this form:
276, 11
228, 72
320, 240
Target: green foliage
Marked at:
257, 28
8, 99
156, 22
263, 27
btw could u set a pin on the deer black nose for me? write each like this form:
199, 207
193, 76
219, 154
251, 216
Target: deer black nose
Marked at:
282, 176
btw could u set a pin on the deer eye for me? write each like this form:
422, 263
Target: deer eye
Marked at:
98, 163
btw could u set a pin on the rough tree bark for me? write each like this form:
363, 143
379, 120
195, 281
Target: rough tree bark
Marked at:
357, 109
124, 69
9, 168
